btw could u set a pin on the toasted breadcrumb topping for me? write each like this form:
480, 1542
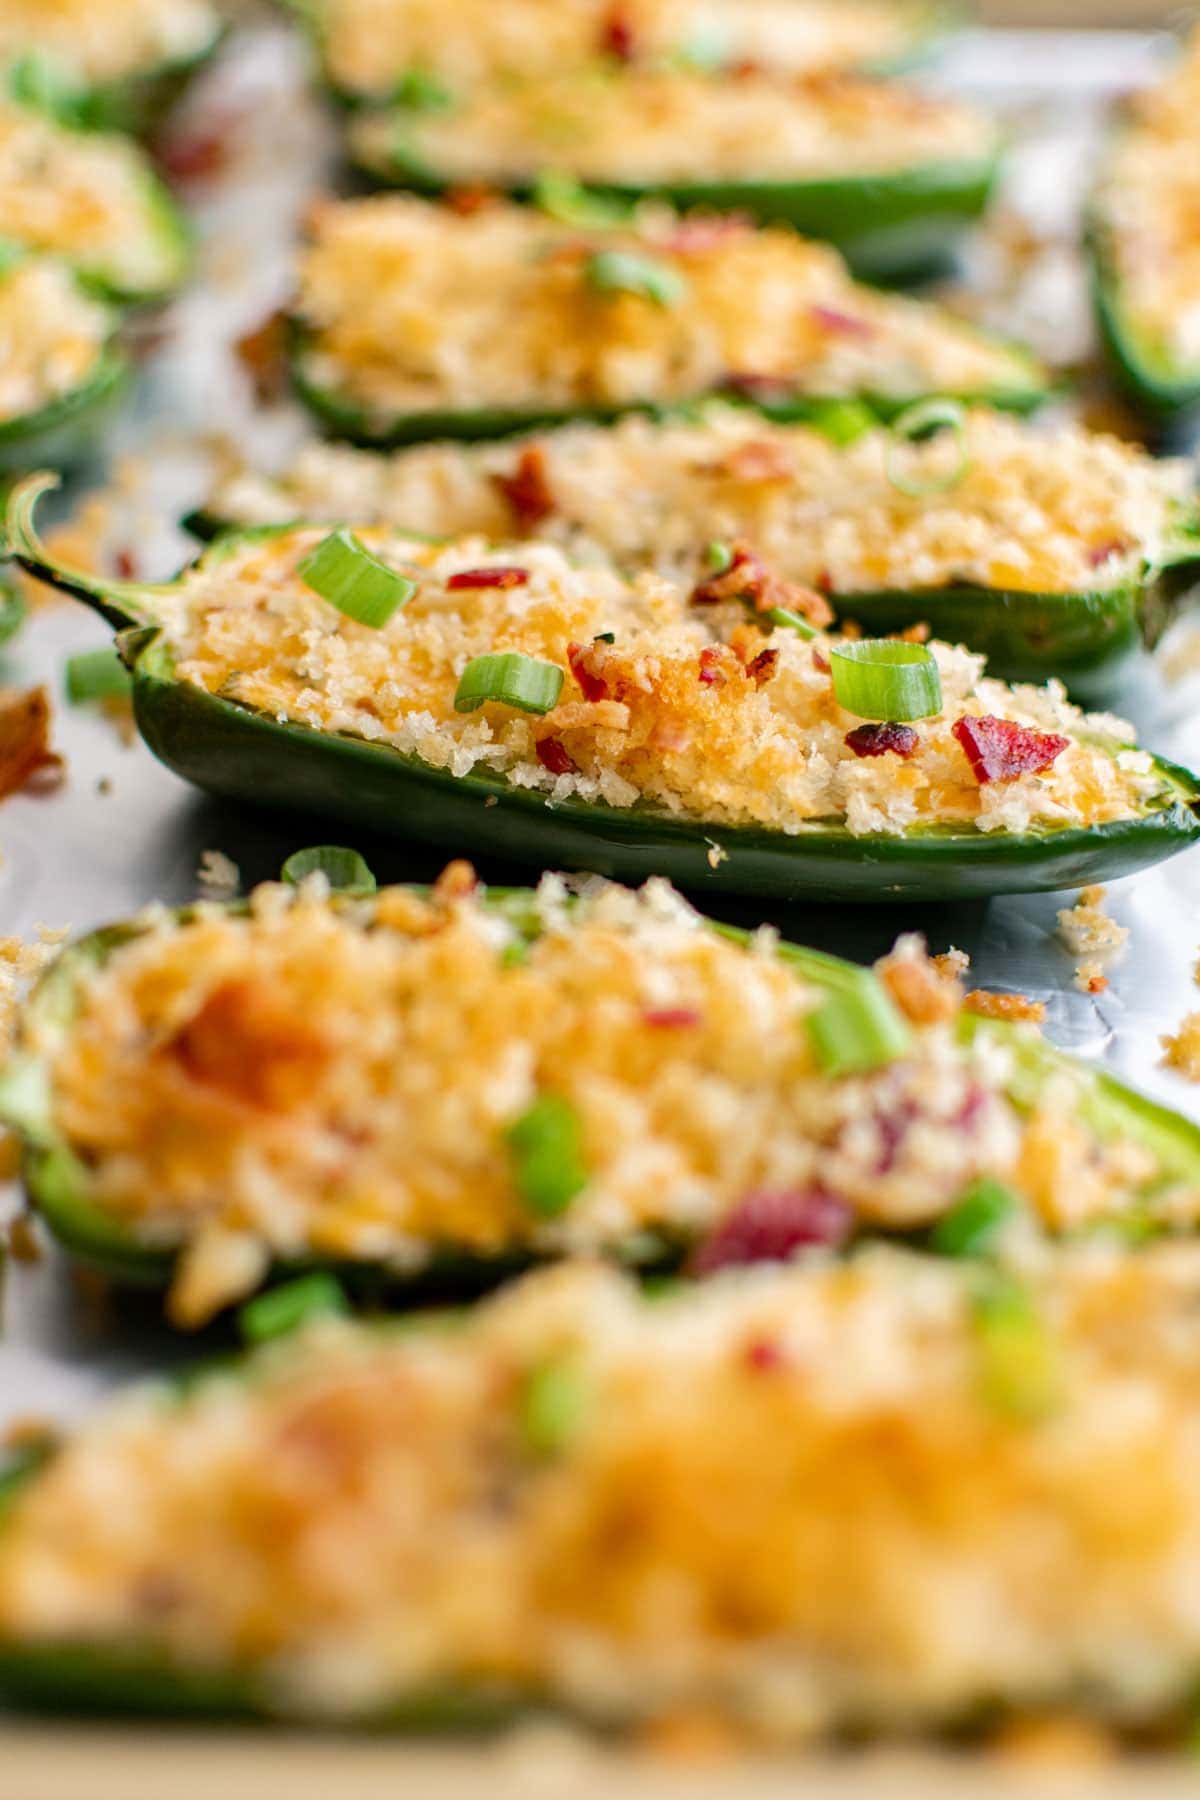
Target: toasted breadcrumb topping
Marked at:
107, 42
52, 335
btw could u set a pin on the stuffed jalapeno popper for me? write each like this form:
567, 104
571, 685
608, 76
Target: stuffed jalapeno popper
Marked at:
386, 49
92, 198
1145, 240
881, 1497
449, 1083
416, 321
504, 697
889, 175
1039, 550
60, 365
115, 65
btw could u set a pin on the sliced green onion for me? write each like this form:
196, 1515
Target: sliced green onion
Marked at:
420, 91
794, 621
40, 81
1018, 1369
510, 679
11, 253
857, 1028
563, 198
547, 1156
717, 556
972, 1224
842, 421
97, 675
884, 678
605, 637
283, 1309
343, 571
626, 272
914, 426
554, 1402
343, 869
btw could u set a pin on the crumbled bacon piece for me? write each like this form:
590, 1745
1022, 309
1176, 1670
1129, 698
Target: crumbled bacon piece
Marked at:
840, 324
26, 759
764, 1355
672, 1018
767, 1227
198, 155
527, 489
499, 577
820, 660
748, 578
583, 659
553, 754
1102, 553
248, 1043
125, 564
617, 35
879, 740
711, 672
761, 668
1001, 750
1015, 1007
263, 354
763, 390
759, 460
469, 200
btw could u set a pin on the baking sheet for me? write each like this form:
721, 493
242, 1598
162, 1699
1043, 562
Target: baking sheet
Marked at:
124, 831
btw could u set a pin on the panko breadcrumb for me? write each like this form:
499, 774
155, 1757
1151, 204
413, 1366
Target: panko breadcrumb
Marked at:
102, 43
897, 1494
1093, 937
52, 335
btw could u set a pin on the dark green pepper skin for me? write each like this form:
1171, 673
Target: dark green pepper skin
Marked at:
893, 227
345, 418
1167, 394
138, 104
171, 230
230, 750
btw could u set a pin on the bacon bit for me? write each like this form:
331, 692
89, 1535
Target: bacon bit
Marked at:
762, 669
706, 231
1001, 750
198, 155
617, 35
1105, 552
820, 660
1015, 1007
1091, 979
249, 1044
672, 1018
824, 582
760, 460
763, 390
527, 489
743, 70
507, 577
880, 740
553, 754
767, 1227
26, 759
457, 881
711, 672
764, 1355
748, 578
263, 354
840, 324
582, 659
125, 564
469, 200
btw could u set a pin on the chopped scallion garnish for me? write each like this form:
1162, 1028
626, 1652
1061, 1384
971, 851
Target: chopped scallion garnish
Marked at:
842, 421
885, 678
510, 679
972, 1224
563, 198
343, 869
916, 425
343, 571
627, 272
718, 557
420, 91
857, 1028
554, 1402
547, 1156
97, 675
1019, 1372
282, 1309
793, 621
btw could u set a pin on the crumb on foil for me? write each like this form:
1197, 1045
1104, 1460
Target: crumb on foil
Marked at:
1093, 937
1015, 1008
218, 876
